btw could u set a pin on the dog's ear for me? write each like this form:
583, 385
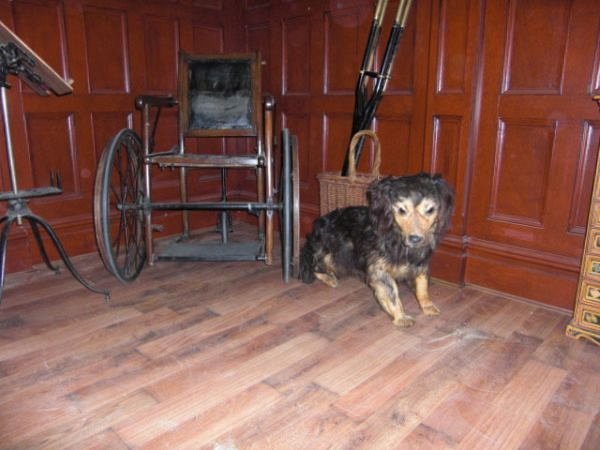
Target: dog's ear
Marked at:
446, 196
380, 208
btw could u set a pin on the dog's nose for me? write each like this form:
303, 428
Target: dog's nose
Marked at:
414, 239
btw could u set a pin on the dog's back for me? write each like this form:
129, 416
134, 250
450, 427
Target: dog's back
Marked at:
403, 224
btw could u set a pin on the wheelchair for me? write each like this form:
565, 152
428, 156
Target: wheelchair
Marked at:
218, 97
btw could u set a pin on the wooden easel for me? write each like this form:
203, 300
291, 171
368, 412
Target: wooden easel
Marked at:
16, 58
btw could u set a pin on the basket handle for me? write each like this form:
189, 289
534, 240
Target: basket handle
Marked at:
352, 153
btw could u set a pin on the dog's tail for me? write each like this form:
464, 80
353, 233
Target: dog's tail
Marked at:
307, 261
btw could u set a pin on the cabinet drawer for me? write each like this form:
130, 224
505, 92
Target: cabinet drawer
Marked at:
594, 241
591, 267
595, 214
590, 293
590, 318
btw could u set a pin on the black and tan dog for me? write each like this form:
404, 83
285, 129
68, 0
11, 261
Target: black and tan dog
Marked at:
389, 241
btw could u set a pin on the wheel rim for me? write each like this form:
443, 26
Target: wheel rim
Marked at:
119, 206
290, 200
295, 208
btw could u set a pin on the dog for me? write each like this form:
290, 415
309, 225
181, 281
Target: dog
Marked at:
389, 241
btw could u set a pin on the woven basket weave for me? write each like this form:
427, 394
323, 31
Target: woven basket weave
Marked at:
337, 191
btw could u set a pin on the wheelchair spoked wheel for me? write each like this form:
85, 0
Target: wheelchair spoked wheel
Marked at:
290, 223
295, 208
118, 206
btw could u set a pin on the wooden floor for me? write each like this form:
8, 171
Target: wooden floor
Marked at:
226, 356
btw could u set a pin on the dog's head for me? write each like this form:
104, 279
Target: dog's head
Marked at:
419, 207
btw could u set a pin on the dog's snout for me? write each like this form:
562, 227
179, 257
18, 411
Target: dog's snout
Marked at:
414, 239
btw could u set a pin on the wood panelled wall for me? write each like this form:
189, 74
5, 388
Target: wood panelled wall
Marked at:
536, 144
495, 95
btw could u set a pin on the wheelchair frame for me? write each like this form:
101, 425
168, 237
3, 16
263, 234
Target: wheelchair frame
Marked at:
123, 202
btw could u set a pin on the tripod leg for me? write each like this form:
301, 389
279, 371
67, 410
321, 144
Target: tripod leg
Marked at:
33, 218
3, 244
40, 243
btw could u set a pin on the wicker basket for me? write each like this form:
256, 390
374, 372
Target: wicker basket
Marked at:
337, 191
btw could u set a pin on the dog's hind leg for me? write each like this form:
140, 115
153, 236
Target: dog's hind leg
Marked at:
422, 294
307, 257
386, 292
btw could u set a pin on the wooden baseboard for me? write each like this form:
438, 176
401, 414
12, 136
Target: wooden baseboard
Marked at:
448, 262
544, 278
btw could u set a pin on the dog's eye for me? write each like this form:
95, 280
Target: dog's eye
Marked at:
401, 210
429, 211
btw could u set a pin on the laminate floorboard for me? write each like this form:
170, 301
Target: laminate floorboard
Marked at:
226, 356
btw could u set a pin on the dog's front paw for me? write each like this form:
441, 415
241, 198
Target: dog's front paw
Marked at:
431, 310
404, 321
329, 280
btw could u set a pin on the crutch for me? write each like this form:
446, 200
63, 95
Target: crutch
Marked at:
364, 109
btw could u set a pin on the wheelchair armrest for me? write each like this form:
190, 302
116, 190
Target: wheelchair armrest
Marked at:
155, 100
269, 102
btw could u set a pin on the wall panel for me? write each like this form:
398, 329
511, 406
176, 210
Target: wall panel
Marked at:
296, 67
583, 182
527, 28
104, 125
208, 39
161, 40
253, 4
394, 133
34, 22
521, 166
407, 67
52, 150
446, 146
107, 50
299, 124
258, 39
451, 74
335, 140
217, 5
343, 34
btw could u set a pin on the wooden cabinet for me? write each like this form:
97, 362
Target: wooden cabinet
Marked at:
586, 318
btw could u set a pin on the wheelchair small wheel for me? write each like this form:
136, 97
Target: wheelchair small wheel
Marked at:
118, 206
